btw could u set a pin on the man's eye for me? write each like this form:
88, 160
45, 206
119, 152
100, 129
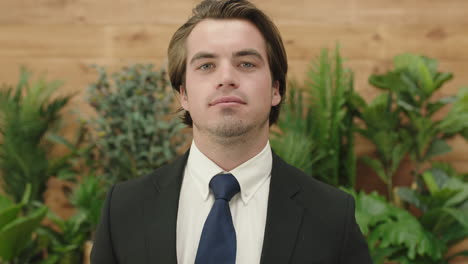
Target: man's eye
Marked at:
247, 65
206, 66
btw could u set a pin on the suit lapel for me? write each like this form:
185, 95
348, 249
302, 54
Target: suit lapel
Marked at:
284, 215
160, 212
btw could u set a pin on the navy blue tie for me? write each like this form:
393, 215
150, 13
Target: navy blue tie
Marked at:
218, 238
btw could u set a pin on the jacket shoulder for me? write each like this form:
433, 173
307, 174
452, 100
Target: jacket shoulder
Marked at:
132, 191
310, 188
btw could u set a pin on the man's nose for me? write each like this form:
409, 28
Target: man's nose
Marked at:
228, 77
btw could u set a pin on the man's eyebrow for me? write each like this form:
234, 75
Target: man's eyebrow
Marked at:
248, 52
202, 55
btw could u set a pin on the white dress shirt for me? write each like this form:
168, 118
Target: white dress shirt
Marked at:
248, 208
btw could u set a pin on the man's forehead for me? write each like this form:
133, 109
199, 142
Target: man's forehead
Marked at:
227, 36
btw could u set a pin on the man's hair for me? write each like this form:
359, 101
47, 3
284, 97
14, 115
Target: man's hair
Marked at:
229, 9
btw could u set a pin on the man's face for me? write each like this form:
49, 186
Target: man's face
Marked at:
228, 89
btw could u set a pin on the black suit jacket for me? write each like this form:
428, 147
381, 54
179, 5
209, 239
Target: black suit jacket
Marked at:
307, 221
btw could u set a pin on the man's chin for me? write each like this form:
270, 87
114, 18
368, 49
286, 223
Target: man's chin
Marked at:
231, 129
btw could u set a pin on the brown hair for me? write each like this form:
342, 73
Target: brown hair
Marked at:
229, 9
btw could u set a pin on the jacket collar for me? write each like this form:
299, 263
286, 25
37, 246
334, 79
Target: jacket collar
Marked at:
160, 212
284, 213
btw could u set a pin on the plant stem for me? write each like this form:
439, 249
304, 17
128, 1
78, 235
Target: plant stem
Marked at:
389, 184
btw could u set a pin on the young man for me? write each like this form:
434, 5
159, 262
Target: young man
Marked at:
229, 199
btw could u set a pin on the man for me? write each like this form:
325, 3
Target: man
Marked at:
228, 64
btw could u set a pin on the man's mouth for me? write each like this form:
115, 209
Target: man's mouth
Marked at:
227, 100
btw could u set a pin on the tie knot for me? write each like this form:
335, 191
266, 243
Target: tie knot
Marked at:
224, 186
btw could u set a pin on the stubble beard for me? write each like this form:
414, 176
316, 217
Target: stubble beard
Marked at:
231, 129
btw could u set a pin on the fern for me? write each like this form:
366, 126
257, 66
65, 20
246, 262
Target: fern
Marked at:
316, 127
27, 114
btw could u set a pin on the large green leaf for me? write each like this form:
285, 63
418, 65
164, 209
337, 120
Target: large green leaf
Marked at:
462, 196
433, 107
441, 219
390, 81
380, 255
393, 233
453, 234
15, 235
407, 231
460, 216
441, 78
370, 210
456, 121
409, 196
377, 166
5, 202
441, 177
420, 69
8, 215
436, 148
430, 182
398, 153
438, 198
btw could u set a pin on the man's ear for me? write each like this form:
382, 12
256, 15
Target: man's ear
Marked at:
183, 97
275, 96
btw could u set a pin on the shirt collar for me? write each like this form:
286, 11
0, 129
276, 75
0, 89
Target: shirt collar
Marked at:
250, 174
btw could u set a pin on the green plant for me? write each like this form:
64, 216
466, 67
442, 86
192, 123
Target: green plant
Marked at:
295, 127
442, 198
79, 158
401, 121
135, 126
88, 198
413, 83
16, 229
65, 245
316, 126
393, 234
63, 241
27, 114
382, 126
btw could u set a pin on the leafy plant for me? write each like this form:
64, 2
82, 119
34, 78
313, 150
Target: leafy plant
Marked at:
442, 199
295, 127
316, 126
27, 114
401, 120
79, 158
16, 229
393, 234
414, 81
65, 245
135, 126
64, 242
383, 127
88, 198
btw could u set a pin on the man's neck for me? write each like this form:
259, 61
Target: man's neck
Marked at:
232, 152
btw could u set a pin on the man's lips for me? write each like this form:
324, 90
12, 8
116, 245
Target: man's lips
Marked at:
227, 100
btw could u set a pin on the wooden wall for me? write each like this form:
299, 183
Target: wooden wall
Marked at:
64, 37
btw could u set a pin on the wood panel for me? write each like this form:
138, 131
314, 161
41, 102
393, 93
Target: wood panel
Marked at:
94, 12
297, 12
84, 41
143, 41
378, 41
400, 12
